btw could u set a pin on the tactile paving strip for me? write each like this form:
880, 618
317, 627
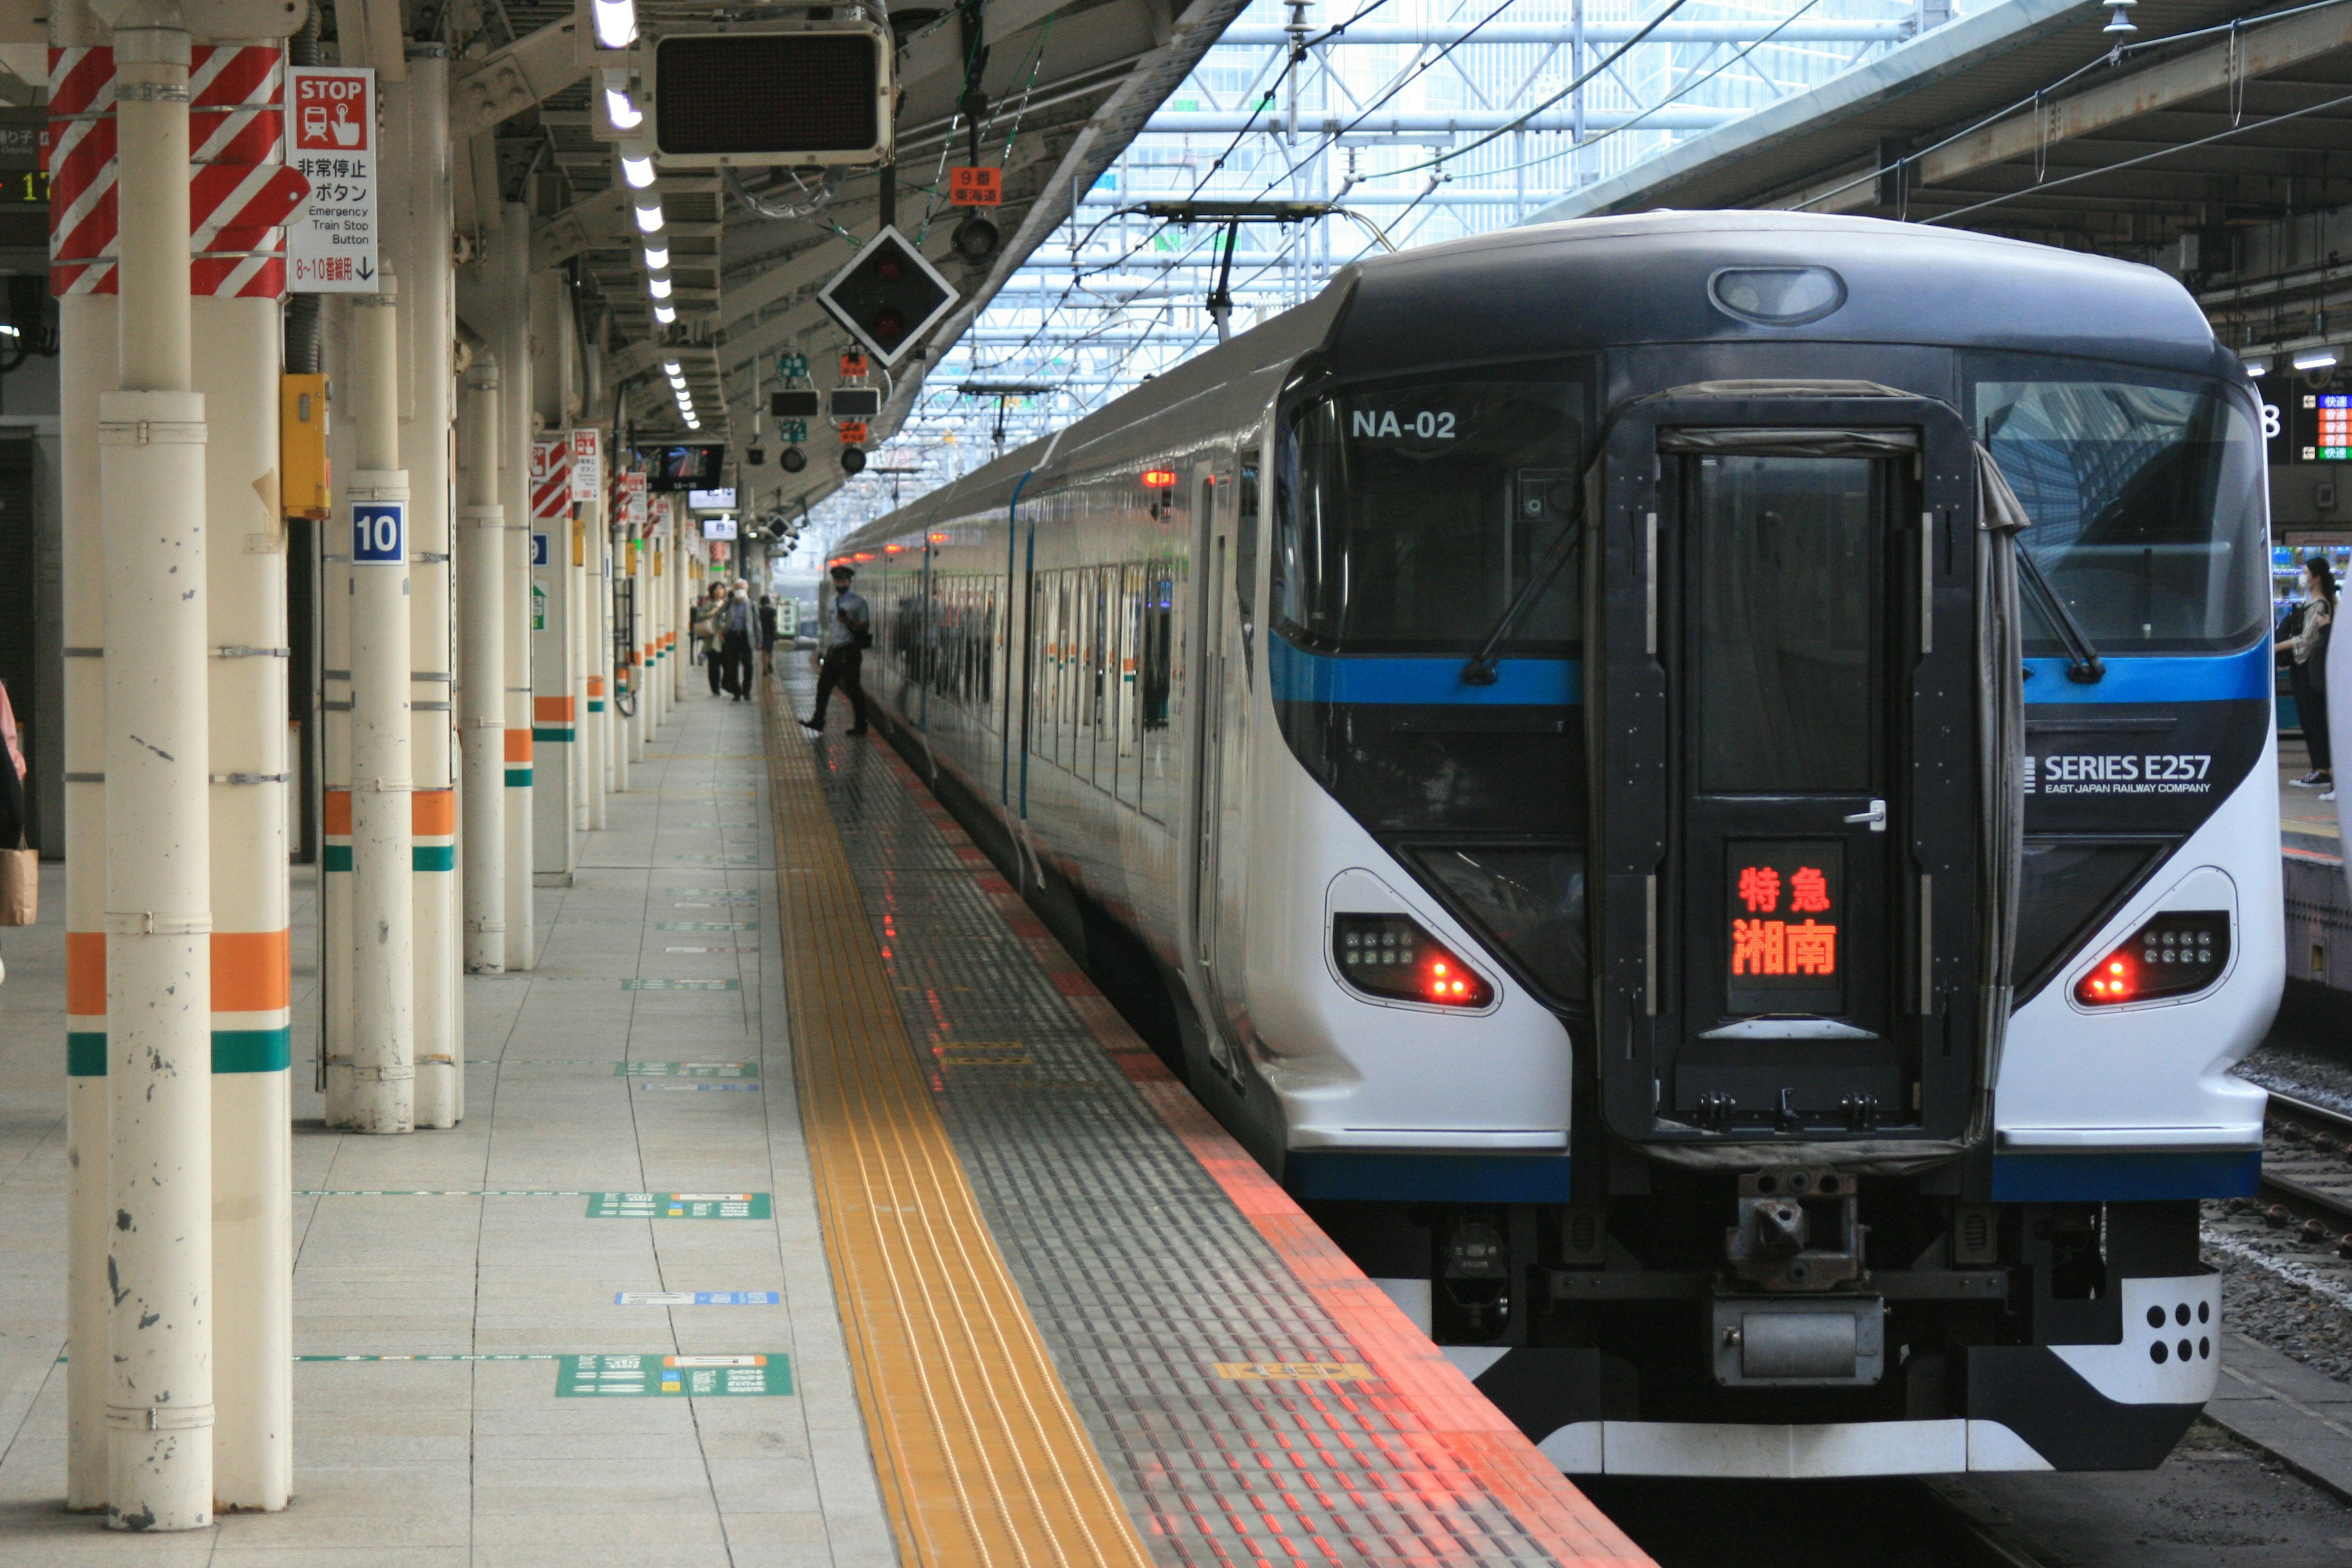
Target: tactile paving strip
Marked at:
1163, 1306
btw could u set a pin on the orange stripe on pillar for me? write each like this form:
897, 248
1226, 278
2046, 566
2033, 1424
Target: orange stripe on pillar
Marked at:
433, 812
86, 974
551, 709
595, 686
339, 814
252, 970
518, 746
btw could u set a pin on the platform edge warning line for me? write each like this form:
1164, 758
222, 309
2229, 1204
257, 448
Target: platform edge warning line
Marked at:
980, 1455
1444, 1404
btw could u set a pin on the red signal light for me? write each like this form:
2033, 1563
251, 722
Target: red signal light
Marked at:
1394, 958
892, 549
2176, 953
938, 539
863, 555
1160, 478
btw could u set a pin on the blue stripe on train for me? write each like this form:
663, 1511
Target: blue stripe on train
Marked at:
2125, 1177
1301, 675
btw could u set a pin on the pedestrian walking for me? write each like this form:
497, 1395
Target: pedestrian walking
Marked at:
706, 633
847, 638
736, 624
768, 633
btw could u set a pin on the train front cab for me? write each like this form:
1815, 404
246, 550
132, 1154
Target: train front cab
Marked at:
1794, 1242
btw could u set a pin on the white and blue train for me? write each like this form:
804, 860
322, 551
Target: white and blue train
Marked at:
1698, 788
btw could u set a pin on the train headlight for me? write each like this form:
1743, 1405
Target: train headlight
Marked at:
2176, 953
1393, 958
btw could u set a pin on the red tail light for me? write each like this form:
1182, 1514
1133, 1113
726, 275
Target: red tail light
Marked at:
1393, 958
2177, 953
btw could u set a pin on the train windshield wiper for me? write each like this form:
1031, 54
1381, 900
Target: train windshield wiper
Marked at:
1480, 670
2084, 664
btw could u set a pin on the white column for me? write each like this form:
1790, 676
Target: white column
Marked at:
596, 632
383, 980
238, 360
415, 175
159, 1413
511, 258
338, 322
481, 673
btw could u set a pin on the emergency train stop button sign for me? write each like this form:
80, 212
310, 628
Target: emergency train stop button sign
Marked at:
678, 1205
330, 242
656, 1375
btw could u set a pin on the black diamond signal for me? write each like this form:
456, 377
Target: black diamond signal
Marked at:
887, 295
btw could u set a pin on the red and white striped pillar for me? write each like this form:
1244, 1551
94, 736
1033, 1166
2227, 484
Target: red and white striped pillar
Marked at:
240, 193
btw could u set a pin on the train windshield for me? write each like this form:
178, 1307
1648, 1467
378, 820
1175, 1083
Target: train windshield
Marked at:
1417, 513
2145, 496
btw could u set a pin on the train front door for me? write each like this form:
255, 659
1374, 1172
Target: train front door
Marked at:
1790, 865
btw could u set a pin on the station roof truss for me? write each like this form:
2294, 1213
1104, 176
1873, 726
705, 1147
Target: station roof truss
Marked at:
2028, 121
1337, 130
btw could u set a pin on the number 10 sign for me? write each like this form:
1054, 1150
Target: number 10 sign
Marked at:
380, 534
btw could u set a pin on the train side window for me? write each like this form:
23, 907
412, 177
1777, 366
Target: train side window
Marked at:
1245, 561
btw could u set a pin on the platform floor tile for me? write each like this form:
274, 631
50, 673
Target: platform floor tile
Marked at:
1141, 1271
479, 1463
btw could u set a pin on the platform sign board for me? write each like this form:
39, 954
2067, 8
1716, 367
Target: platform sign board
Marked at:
678, 1205
698, 1299
656, 1375
330, 243
380, 534
975, 187
686, 1069
587, 465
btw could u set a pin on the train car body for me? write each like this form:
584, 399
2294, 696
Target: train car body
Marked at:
1699, 788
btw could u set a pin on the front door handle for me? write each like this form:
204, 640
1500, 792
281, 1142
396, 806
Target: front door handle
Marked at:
1875, 816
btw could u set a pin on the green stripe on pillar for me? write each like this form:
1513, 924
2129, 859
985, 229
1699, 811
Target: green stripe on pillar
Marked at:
252, 1050
595, 707
338, 856
561, 736
85, 1053
518, 778
432, 857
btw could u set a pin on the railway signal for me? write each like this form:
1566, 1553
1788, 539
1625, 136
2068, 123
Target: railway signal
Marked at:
888, 296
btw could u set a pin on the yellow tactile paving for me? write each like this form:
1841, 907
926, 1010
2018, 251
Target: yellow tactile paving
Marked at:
983, 1460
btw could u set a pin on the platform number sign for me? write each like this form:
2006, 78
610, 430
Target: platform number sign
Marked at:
380, 534
538, 550
972, 186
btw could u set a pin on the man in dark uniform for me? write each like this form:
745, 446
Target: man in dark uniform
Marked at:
847, 636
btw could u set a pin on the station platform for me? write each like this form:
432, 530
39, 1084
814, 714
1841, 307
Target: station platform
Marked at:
811, 1208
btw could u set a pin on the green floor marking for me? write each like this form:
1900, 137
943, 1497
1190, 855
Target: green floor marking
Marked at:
686, 1069
681, 985
674, 1376
678, 1205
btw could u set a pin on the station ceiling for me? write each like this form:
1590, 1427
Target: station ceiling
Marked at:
1064, 84
2026, 120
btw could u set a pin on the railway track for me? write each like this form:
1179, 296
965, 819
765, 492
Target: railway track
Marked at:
2307, 1172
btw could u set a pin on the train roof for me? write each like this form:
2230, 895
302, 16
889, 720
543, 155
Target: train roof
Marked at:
1604, 283
1588, 284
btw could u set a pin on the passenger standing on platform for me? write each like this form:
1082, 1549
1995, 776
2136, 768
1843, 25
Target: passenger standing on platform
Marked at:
768, 633
847, 638
736, 621
12, 785
705, 632
2307, 676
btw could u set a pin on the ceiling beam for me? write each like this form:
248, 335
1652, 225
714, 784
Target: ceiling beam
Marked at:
526, 73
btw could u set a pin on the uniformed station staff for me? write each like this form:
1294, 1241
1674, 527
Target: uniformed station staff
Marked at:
847, 636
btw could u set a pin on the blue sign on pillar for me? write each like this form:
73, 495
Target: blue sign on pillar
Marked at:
380, 534
538, 550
